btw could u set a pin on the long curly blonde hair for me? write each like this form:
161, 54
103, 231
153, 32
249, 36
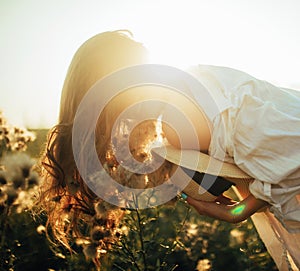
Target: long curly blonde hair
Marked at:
63, 192
64, 196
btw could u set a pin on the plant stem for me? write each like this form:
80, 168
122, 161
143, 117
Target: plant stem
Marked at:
130, 255
179, 230
141, 238
4, 218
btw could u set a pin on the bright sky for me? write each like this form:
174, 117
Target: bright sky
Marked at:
39, 38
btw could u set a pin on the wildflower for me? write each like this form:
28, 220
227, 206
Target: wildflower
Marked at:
3, 132
100, 209
13, 138
236, 237
103, 207
204, 265
19, 137
192, 229
41, 229
124, 230
19, 163
98, 233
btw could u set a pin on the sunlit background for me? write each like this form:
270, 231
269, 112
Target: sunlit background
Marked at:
39, 38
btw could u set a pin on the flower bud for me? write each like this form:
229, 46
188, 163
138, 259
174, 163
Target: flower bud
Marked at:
97, 234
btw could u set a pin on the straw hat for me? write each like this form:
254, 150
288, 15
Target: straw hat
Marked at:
201, 176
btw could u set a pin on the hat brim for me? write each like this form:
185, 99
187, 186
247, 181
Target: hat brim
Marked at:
203, 163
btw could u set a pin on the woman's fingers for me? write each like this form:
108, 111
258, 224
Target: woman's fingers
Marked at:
225, 200
211, 209
194, 203
206, 208
233, 213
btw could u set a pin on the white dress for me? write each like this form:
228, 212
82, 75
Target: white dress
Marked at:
258, 128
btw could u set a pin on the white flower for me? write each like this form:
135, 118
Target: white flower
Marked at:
41, 229
203, 265
18, 170
103, 207
18, 164
13, 138
192, 229
98, 233
237, 237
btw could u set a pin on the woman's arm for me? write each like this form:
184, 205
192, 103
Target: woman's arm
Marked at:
227, 210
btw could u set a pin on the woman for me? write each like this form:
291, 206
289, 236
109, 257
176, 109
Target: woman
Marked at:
261, 136
259, 120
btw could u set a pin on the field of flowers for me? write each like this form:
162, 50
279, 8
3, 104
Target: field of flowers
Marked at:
168, 237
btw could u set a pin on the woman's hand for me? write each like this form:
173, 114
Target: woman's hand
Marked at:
228, 210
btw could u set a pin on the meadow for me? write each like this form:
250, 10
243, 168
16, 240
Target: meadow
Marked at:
168, 237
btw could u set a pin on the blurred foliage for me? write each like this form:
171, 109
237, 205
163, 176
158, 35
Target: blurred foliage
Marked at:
169, 237
13, 138
35, 147
175, 237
